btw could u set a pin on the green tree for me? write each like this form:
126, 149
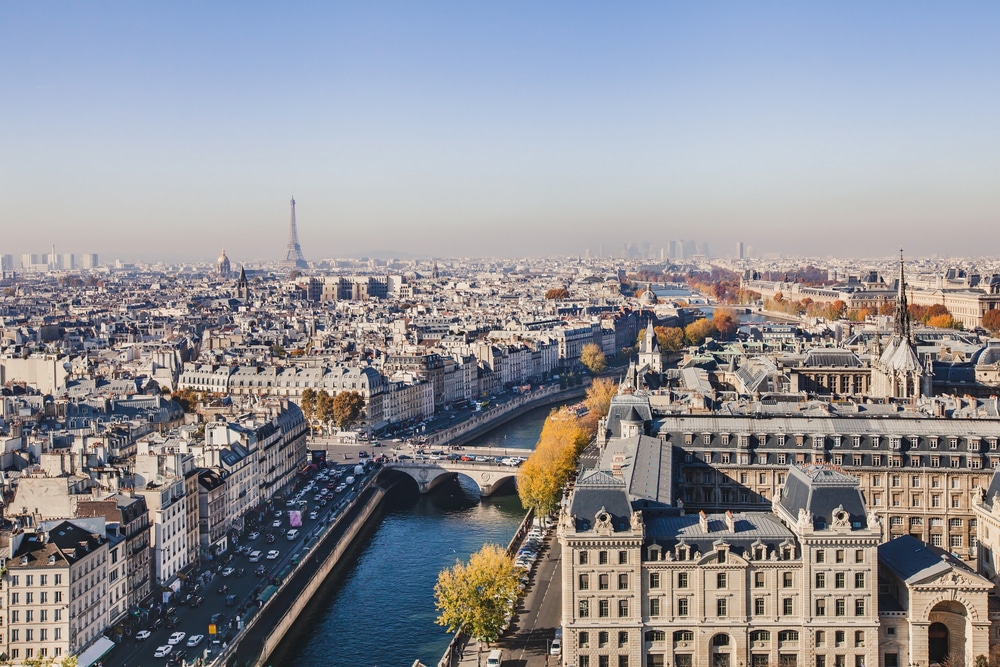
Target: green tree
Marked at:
477, 596
593, 358
347, 408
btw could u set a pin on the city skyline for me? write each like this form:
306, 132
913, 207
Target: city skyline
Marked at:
169, 132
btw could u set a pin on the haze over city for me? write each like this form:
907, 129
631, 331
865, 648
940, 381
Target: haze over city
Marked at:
168, 131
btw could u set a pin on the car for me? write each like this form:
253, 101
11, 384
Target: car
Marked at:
142, 635
176, 638
278, 514
555, 648
163, 651
194, 640
270, 538
230, 600
196, 601
313, 515
177, 658
157, 623
255, 556
173, 622
276, 523
260, 571
293, 533
217, 618
253, 536
228, 572
273, 554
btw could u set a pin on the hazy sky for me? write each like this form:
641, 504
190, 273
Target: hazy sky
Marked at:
172, 129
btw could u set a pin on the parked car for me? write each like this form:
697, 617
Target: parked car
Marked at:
273, 554
230, 600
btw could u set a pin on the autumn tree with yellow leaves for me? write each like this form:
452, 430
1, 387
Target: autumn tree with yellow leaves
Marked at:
476, 596
564, 435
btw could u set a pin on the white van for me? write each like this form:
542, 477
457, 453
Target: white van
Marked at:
292, 534
494, 658
255, 556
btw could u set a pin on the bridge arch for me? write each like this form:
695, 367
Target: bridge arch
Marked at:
429, 474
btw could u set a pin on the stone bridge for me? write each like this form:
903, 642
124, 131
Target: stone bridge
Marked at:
428, 474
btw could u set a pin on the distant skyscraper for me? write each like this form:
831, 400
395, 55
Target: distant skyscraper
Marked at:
739, 250
293, 253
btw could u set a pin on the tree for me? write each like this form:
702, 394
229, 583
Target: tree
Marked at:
543, 475
725, 322
991, 321
944, 322
669, 338
347, 408
477, 596
593, 358
557, 293
308, 403
696, 332
324, 407
598, 400
186, 398
838, 309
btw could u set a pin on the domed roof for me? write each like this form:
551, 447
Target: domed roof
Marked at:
222, 257
648, 298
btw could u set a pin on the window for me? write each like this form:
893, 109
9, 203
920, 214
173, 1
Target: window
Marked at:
721, 605
682, 607
786, 606
859, 607
623, 660
758, 580
955, 541
584, 608
623, 582
654, 606
859, 638
622, 608
760, 636
684, 636
604, 608
602, 557
654, 579
841, 607
603, 582
820, 661
682, 580
820, 637
720, 580
840, 580
838, 638
622, 638
936, 540
623, 557
820, 580
786, 579
859, 579
821, 607
583, 558
820, 556
583, 639
584, 582
788, 636
758, 606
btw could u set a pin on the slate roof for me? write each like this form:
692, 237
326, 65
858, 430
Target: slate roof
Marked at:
600, 490
832, 357
750, 528
912, 560
820, 490
645, 464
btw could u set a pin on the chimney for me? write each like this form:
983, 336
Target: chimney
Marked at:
730, 522
703, 520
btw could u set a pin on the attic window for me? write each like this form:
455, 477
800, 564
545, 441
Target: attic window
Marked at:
800, 440
781, 440
724, 438
24, 560
52, 559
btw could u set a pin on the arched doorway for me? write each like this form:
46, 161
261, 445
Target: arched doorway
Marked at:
937, 643
720, 648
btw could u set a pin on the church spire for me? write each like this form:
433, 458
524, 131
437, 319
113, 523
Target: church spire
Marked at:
901, 325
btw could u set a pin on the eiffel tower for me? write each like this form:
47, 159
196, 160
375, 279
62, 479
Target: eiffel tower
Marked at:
293, 252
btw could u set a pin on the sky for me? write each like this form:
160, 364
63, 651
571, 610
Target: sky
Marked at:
171, 130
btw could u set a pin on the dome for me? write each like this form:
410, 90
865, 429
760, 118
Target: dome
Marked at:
222, 257
648, 298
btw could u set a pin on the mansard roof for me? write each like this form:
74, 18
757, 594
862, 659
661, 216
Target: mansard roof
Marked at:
820, 490
596, 491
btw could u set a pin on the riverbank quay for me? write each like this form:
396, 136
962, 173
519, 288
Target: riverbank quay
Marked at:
265, 628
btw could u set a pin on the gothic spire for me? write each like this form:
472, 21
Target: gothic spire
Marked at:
901, 325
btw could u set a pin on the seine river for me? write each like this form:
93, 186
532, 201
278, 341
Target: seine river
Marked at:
380, 611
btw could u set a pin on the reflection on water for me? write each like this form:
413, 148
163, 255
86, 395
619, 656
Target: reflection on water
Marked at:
380, 608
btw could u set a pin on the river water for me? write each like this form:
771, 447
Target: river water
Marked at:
380, 610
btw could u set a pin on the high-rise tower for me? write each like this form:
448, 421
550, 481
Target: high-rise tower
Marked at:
293, 253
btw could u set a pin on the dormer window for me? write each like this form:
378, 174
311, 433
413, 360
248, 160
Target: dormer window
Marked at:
724, 438
781, 440
893, 443
933, 442
953, 443
836, 441
856, 440
24, 560
800, 440
875, 441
